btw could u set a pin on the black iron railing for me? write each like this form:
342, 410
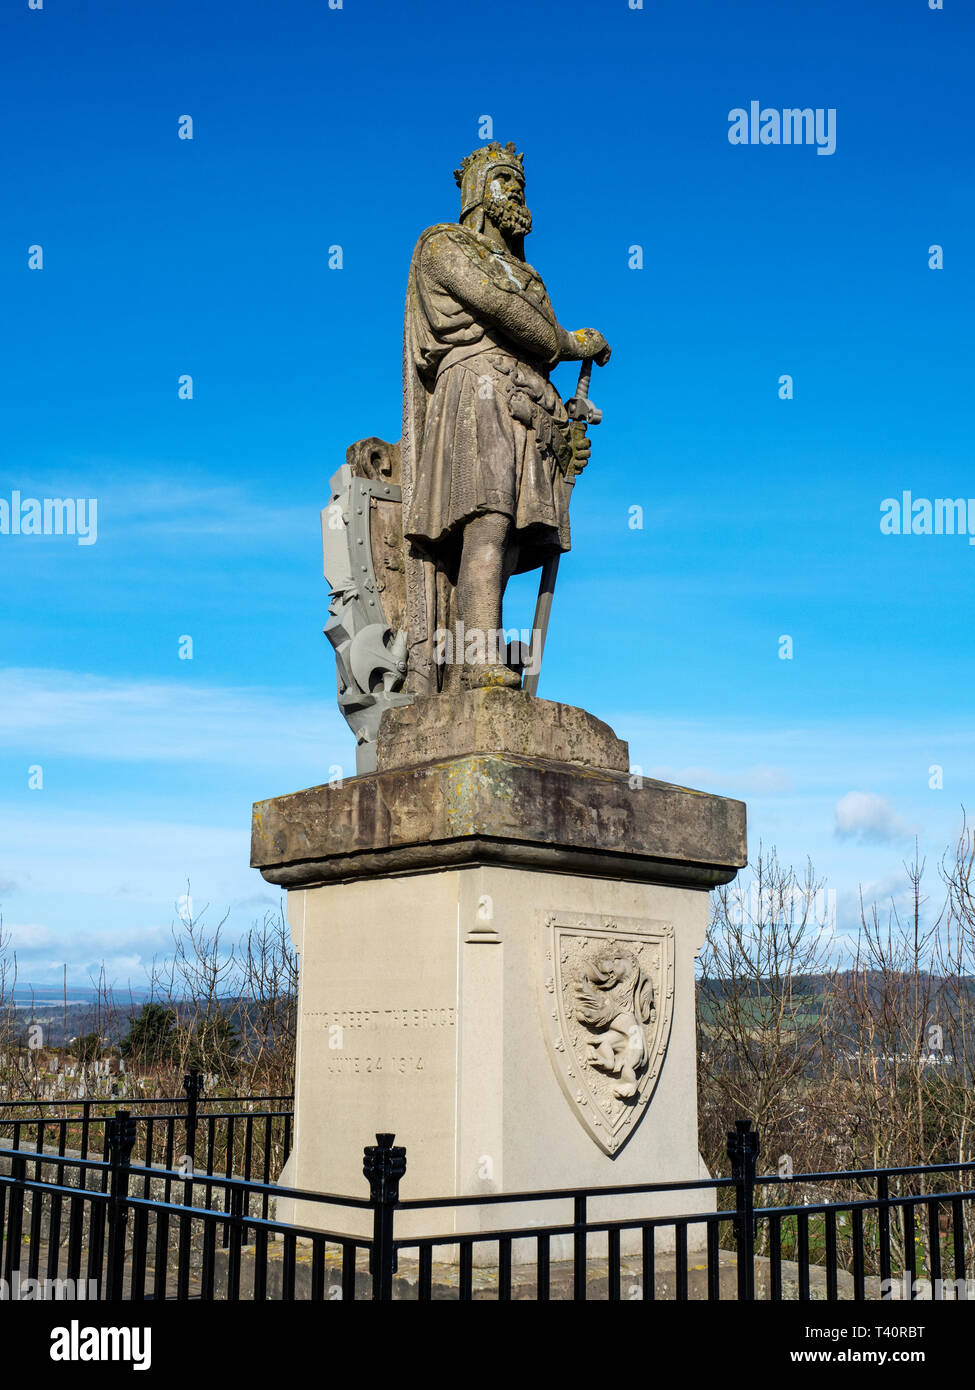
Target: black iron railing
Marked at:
247, 1136
142, 1232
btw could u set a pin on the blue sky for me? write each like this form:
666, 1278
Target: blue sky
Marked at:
314, 127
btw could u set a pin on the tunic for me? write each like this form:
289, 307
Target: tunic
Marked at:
484, 430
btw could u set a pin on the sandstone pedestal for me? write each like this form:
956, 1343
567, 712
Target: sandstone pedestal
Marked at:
454, 914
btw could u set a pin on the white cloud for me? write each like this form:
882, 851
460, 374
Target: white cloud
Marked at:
867, 817
42, 951
86, 716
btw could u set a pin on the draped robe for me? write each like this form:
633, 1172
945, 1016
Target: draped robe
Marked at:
484, 430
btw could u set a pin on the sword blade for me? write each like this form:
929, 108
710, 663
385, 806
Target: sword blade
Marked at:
543, 611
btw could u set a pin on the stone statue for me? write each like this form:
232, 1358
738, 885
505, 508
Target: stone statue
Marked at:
487, 446
421, 537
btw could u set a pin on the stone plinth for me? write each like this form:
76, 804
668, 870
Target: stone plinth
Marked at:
497, 721
447, 915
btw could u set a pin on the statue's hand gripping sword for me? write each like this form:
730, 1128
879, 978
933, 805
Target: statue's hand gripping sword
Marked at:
582, 413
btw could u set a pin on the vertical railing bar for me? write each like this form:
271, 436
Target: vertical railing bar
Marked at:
958, 1242
288, 1267
465, 1283
858, 1261
832, 1280
613, 1265
317, 1264
680, 1259
579, 1250
714, 1262
504, 1269
802, 1254
775, 1257
934, 1246
883, 1226
910, 1249
348, 1269
161, 1256
140, 1242
649, 1263
208, 1258
542, 1267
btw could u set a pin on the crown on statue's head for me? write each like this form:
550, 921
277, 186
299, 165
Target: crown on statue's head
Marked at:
474, 171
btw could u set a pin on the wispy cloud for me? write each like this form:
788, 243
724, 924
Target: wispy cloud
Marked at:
95, 717
869, 818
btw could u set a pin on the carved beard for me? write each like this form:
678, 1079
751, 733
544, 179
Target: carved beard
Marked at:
511, 217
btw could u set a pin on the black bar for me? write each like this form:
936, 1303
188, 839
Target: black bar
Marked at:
140, 1244
348, 1269
383, 1166
465, 1283
162, 1255
211, 1142
150, 1148
36, 1208
233, 1257
54, 1231
743, 1150
775, 1257
208, 1271
184, 1248
579, 1248
883, 1226
542, 1268
858, 1267
802, 1255
910, 1250
680, 1259
832, 1283
613, 1265
317, 1264
958, 1242
76, 1223
714, 1262
934, 1246
288, 1267
120, 1133
425, 1290
97, 1213
248, 1146
15, 1220
169, 1154
649, 1265
504, 1269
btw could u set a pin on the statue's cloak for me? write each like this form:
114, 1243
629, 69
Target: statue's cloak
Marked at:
484, 430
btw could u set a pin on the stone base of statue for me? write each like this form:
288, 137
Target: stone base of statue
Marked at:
497, 933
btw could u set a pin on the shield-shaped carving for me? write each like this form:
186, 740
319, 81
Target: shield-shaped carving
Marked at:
607, 999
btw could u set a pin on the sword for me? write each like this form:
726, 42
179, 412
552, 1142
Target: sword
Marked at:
582, 413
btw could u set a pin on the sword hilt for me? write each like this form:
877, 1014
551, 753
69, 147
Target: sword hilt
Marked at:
579, 407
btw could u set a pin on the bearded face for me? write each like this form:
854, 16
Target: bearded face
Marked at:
512, 217
504, 203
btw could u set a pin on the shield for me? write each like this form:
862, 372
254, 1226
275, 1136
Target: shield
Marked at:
362, 540
607, 998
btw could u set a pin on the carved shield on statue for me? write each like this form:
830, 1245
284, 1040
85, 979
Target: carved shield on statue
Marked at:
607, 1000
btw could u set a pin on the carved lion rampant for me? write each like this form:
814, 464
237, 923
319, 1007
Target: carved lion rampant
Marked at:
614, 998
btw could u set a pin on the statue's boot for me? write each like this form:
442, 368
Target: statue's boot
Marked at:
478, 676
